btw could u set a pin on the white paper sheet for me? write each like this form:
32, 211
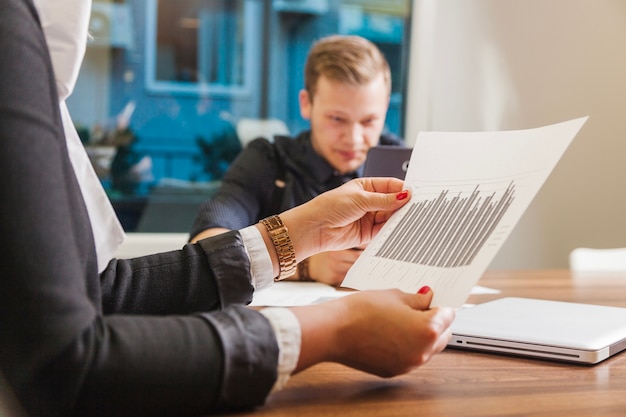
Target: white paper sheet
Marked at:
468, 192
294, 293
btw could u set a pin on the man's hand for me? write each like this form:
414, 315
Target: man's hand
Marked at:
331, 267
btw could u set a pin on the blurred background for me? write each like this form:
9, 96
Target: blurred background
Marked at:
171, 90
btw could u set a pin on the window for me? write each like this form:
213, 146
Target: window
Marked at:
164, 84
197, 46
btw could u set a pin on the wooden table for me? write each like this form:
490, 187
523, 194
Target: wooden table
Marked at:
460, 383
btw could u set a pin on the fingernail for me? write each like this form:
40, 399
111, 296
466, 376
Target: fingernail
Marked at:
402, 195
424, 290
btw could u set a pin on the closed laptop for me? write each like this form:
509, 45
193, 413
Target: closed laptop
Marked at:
556, 330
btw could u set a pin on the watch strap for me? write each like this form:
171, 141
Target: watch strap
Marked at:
285, 251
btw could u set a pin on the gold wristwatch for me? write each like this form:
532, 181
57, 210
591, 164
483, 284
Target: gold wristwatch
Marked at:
283, 246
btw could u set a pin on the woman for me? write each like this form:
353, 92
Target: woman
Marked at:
169, 333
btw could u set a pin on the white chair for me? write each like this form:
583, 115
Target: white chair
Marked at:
140, 244
598, 260
248, 129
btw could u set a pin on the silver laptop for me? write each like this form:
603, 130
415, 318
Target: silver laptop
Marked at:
387, 161
571, 332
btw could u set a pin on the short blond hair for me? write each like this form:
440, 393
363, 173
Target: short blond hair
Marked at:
347, 59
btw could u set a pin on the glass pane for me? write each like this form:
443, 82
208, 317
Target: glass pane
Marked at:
200, 41
165, 84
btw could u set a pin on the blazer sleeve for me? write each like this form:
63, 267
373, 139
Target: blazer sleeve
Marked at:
209, 275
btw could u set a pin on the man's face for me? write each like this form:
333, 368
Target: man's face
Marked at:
345, 120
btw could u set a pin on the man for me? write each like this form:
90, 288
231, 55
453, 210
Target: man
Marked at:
346, 96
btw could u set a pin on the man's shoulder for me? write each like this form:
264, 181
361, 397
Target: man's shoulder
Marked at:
294, 148
260, 143
286, 141
279, 142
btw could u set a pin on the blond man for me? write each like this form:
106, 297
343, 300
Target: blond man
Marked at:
347, 87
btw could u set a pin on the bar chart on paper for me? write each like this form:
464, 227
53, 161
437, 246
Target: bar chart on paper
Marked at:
447, 230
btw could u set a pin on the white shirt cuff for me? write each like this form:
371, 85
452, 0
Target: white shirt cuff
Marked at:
288, 336
261, 267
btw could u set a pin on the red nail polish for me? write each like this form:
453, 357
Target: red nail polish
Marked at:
424, 290
402, 195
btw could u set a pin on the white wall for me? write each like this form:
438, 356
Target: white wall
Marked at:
512, 64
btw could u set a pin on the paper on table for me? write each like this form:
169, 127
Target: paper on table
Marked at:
468, 192
294, 293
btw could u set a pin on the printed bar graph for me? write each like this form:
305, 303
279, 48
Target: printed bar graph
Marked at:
447, 231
